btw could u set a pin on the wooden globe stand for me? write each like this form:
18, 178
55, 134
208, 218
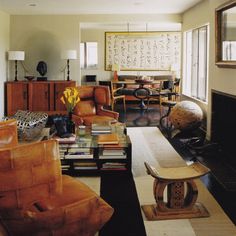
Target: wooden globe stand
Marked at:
179, 205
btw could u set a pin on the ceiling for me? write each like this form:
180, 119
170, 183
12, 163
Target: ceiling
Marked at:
33, 7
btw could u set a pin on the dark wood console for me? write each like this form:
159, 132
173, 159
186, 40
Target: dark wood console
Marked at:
35, 96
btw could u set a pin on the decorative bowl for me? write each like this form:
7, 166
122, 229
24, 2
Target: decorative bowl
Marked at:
29, 77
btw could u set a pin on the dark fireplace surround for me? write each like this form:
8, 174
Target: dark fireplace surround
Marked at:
223, 123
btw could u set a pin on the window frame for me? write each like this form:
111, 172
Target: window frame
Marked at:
189, 65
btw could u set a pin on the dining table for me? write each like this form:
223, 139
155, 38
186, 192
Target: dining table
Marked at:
144, 89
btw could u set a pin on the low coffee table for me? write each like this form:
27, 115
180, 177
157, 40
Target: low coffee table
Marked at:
85, 156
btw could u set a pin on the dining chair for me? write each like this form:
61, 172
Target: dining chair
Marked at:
115, 96
166, 92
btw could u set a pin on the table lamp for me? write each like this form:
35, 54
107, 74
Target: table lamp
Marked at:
69, 55
16, 56
115, 68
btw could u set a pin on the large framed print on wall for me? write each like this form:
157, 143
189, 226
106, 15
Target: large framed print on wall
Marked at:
142, 50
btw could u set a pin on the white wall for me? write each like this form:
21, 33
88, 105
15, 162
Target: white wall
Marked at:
43, 38
219, 78
4, 47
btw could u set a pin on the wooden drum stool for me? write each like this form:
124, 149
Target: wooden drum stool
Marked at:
182, 192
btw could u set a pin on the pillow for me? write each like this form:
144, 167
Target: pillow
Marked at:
29, 124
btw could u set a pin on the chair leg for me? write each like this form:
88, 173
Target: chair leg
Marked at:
124, 104
112, 105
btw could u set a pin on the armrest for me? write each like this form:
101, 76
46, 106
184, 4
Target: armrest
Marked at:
105, 112
117, 89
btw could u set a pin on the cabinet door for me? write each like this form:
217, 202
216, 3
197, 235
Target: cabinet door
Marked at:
40, 97
58, 91
16, 97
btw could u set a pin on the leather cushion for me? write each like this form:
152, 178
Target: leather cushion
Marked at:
86, 92
102, 95
85, 108
8, 133
77, 211
24, 173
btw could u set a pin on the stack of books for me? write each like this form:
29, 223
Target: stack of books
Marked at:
63, 150
68, 140
101, 128
74, 152
113, 166
108, 139
65, 167
113, 151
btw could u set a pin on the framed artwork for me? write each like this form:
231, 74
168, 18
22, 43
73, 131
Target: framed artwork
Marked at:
142, 50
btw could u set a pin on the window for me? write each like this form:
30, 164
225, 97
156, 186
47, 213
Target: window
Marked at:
229, 50
88, 55
195, 75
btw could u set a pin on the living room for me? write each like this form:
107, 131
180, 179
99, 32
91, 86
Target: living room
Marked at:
42, 33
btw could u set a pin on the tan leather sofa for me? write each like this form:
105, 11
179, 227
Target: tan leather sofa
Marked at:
36, 199
91, 106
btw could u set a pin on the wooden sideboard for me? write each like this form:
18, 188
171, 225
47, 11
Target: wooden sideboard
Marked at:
35, 96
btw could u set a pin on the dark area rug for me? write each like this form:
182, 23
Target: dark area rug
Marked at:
119, 191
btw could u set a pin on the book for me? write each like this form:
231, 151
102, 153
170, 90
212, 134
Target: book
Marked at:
101, 126
113, 166
93, 132
112, 157
69, 140
78, 149
85, 167
86, 138
113, 152
108, 139
85, 164
78, 156
65, 166
113, 146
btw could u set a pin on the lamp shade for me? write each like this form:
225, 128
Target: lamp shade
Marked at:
69, 54
16, 55
115, 67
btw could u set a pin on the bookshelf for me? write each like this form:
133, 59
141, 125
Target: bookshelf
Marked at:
85, 156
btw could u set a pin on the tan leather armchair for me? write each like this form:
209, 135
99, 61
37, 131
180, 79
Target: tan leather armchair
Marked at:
36, 199
91, 106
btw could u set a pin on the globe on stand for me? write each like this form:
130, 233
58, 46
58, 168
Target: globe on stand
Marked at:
186, 115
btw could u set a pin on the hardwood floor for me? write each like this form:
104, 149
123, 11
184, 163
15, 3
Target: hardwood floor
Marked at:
221, 182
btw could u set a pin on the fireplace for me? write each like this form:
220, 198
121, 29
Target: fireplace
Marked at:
223, 124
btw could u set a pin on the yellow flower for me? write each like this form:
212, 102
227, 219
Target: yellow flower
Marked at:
63, 100
70, 98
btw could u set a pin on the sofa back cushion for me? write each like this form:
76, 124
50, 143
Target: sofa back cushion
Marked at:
85, 108
102, 95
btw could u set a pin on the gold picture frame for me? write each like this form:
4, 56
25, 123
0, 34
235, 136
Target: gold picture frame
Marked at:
138, 51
